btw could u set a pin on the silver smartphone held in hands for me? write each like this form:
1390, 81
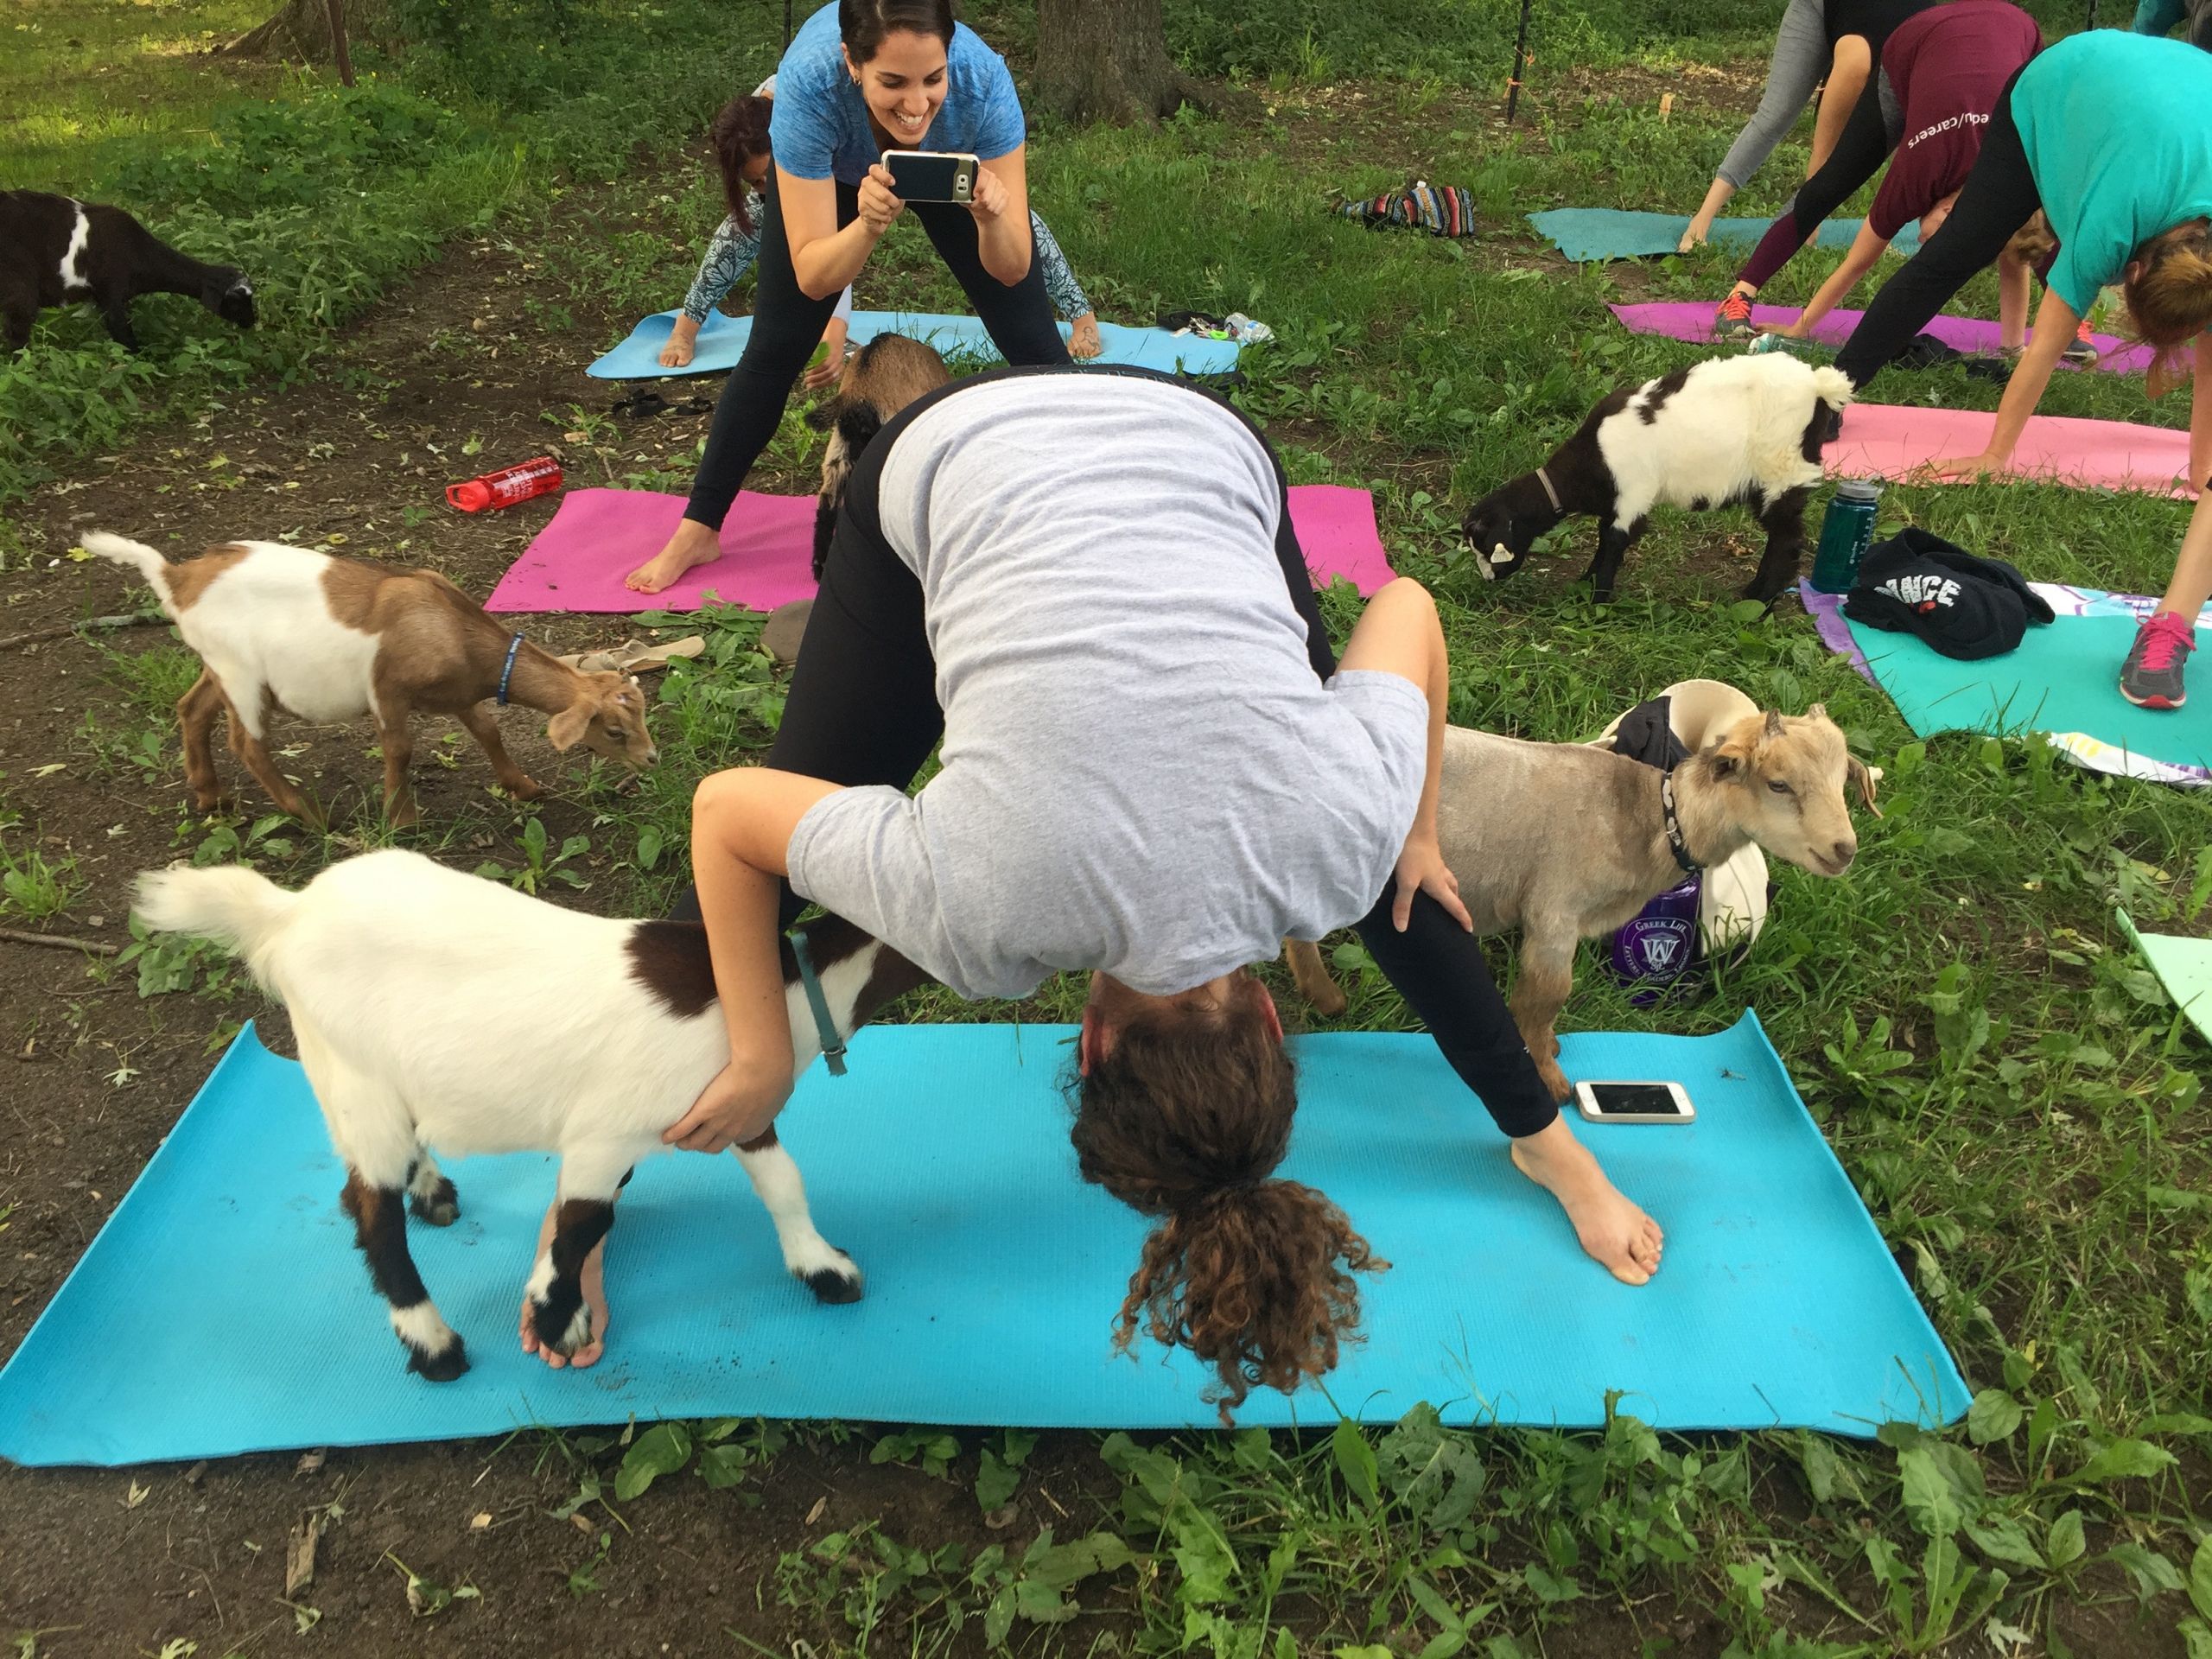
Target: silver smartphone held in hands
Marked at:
1634, 1102
931, 175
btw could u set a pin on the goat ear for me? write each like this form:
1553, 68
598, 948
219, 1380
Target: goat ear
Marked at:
566, 729
857, 423
823, 416
1864, 778
1725, 760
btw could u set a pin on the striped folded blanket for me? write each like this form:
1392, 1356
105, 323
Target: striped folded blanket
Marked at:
1440, 209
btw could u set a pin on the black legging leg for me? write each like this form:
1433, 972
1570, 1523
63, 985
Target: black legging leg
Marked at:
1861, 150
787, 325
1019, 318
1998, 197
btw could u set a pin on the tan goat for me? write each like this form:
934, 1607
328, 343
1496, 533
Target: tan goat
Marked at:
880, 379
1566, 842
326, 640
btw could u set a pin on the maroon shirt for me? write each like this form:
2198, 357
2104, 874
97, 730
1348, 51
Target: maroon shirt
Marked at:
1948, 67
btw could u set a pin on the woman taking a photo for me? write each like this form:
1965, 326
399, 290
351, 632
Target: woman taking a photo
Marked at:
862, 77
2110, 135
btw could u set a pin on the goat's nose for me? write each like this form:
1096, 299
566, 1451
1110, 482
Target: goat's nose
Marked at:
1845, 852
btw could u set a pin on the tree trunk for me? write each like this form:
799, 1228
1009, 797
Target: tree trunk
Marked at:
301, 29
1105, 60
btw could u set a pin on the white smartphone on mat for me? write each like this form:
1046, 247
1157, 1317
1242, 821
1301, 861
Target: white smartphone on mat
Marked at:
1635, 1103
931, 175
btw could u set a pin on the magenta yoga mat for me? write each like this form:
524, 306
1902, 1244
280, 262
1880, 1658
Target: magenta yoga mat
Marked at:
598, 536
1692, 320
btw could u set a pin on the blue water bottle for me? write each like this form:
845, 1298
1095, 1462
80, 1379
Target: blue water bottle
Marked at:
1846, 534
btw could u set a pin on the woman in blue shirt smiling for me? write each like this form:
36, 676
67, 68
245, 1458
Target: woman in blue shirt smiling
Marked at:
862, 77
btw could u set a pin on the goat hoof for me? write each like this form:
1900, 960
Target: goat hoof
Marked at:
525, 789
442, 1367
837, 1283
562, 1336
1555, 1080
440, 1208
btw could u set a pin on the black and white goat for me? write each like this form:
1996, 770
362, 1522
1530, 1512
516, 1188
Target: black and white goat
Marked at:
436, 1010
1732, 429
879, 380
55, 249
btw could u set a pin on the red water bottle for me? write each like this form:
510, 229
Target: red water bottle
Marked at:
507, 486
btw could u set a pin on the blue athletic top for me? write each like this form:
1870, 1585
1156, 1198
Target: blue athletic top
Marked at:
2117, 131
820, 128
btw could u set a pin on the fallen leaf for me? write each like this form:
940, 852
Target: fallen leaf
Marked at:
299, 1554
815, 1514
48, 770
582, 1523
479, 1520
138, 1494
311, 1461
1002, 1518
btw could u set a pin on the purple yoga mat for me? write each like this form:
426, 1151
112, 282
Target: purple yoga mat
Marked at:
1692, 320
598, 536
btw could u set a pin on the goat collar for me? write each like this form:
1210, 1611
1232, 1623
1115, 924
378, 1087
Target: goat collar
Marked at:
1545, 479
825, 1023
507, 669
1677, 843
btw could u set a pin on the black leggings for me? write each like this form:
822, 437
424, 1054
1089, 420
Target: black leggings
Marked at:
1860, 149
787, 325
1998, 198
862, 708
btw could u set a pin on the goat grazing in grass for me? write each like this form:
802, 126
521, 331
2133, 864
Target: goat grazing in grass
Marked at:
55, 249
1771, 779
880, 379
329, 639
1730, 429
438, 1010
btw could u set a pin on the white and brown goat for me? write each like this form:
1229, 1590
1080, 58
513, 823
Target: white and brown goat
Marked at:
1774, 779
440, 1011
880, 379
327, 639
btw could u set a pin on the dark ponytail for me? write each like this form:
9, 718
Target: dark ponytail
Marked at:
1184, 1118
739, 133
863, 23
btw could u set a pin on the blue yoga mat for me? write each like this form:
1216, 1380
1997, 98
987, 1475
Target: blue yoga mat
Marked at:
721, 342
2062, 677
223, 1308
1587, 233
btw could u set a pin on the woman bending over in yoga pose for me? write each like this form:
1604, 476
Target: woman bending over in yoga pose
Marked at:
1087, 585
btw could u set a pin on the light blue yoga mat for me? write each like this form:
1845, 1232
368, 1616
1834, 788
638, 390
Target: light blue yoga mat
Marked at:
1587, 233
2063, 678
224, 1309
721, 342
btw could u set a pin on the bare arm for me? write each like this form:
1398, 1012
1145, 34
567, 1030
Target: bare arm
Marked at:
1865, 248
1001, 213
1399, 633
2013, 296
2056, 322
2200, 420
824, 257
742, 824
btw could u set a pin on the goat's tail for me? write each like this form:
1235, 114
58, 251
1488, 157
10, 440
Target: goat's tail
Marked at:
146, 561
1831, 385
240, 911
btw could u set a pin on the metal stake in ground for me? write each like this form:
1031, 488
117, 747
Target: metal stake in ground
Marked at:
1521, 57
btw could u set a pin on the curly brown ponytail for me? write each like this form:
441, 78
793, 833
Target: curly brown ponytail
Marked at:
2169, 295
1184, 1117
739, 133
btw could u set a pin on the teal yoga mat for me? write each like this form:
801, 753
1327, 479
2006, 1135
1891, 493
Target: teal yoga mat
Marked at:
1589, 233
2063, 678
721, 342
222, 1309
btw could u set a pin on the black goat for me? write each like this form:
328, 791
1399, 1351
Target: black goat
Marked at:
55, 249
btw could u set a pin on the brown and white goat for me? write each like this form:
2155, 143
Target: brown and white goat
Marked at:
440, 1011
54, 249
327, 639
1771, 779
880, 379
1729, 430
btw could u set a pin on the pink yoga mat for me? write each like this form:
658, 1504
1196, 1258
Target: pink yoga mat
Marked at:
1692, 321
1885, 441
598, 536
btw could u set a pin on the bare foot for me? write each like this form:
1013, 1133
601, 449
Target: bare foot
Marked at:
594, 1288
1613, 1232
693, 544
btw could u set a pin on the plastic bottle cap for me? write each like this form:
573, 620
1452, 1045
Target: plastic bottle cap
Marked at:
472, 497
1860, 489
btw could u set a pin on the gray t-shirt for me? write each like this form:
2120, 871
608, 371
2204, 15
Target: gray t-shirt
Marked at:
1142, 773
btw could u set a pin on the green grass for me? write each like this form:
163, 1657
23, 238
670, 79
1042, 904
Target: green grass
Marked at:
2018, 1104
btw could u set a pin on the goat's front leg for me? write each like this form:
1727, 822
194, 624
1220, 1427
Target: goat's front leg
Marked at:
821, 1266
1310, 971
557, 1306
504, 772
116, 314
1546, 977
379, 1211
196, 712
1783, 520
253, 754
1614, 540
398, 743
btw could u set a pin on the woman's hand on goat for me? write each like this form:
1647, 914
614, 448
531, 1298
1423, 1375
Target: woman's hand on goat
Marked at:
740, 1102
1422, 869
879, 203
